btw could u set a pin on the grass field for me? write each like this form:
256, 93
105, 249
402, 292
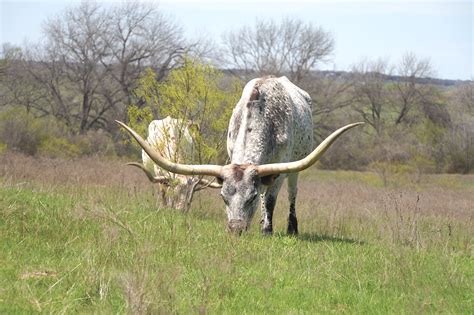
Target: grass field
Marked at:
89, 236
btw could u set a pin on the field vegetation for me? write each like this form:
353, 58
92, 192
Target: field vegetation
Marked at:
386, 217
88, 235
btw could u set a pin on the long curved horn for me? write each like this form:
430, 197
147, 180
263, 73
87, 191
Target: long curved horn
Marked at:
183, 169
204, 183
297, 166
154, 179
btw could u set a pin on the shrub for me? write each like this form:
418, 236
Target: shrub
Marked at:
95, 142
21, 131
58, 148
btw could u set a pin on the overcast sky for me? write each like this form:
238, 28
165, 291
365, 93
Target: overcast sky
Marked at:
439, 30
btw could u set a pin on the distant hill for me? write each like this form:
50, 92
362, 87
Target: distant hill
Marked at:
347, 75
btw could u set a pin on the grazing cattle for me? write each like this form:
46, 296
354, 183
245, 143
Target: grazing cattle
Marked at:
269, 138
172, 139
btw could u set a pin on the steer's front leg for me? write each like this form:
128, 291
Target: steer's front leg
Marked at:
268, 205
292, 191
268, 202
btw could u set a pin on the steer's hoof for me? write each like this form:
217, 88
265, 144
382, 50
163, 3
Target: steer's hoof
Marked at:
267, 232
292, 230
292, 225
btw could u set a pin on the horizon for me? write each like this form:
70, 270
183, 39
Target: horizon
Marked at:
438, 30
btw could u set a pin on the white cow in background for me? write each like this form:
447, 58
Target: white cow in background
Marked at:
172, 139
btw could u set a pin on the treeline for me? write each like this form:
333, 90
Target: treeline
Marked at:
60, 96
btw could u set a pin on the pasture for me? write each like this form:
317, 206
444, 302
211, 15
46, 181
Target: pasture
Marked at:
89, 236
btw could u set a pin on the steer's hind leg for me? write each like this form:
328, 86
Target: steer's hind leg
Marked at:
268, 200
292, 191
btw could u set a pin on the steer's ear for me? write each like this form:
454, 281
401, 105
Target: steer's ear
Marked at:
219, 180
269, 179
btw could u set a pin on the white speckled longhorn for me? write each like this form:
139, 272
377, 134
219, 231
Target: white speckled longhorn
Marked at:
270, 137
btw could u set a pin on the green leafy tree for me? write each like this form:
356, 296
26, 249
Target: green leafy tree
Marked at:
196, 93
201, 99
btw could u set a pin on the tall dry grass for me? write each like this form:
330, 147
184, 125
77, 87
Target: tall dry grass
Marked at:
84, 171
346, 205
89, 235
419, 216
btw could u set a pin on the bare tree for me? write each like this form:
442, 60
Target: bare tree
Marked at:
465, 96
77, 37
43, 68
371, 96
329, 93
289, 47
138, 35
459, 140
92, 56
7, 50
20, 87
409, 92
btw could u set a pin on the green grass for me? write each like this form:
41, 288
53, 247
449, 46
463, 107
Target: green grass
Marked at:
100, 249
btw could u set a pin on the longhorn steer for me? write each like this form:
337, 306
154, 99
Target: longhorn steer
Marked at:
269, 138
172, 139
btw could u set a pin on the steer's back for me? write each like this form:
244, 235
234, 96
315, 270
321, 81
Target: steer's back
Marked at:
271, 123
171, 138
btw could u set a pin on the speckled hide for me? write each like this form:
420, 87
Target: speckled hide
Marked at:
271, 123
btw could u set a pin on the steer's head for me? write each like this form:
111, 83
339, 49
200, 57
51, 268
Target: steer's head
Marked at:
240, 191
240, 183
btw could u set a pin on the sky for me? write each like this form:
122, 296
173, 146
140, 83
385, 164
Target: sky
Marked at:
439, 30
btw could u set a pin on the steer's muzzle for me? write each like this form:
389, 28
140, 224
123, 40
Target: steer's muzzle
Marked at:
236, 226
